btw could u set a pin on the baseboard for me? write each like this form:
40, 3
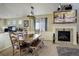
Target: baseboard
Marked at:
48, 40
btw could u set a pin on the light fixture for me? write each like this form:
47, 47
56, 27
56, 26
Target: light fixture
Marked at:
31, 15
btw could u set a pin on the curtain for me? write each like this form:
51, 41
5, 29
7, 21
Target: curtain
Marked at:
40, 24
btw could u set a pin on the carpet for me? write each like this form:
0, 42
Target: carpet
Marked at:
66, 51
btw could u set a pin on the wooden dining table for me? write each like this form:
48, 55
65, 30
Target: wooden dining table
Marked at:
29, 38
32, 37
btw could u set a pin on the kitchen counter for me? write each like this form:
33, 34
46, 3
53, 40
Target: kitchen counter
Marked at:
4, 40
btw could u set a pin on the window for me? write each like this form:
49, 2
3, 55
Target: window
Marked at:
11, 22
41, 25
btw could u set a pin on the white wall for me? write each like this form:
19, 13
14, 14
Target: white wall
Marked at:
76, 6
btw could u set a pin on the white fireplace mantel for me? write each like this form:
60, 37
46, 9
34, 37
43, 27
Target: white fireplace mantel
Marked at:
67, 26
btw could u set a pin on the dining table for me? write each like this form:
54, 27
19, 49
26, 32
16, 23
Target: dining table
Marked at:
33, 40
32, 37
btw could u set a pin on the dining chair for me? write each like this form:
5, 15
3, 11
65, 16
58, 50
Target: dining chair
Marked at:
36, 45
18, 43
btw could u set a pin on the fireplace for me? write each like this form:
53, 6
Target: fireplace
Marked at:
64, 36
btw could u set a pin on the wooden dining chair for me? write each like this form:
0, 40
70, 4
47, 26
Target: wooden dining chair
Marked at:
36, 45
19, 46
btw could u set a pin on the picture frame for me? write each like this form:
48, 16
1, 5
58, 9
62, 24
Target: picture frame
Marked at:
68, 16
26, 23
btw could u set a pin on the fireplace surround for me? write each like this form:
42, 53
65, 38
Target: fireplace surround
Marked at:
64, 35
66, 27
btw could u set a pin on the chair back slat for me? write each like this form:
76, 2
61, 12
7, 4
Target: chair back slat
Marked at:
14, 40
17, 40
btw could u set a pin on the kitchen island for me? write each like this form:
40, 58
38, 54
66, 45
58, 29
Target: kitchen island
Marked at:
4, 40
